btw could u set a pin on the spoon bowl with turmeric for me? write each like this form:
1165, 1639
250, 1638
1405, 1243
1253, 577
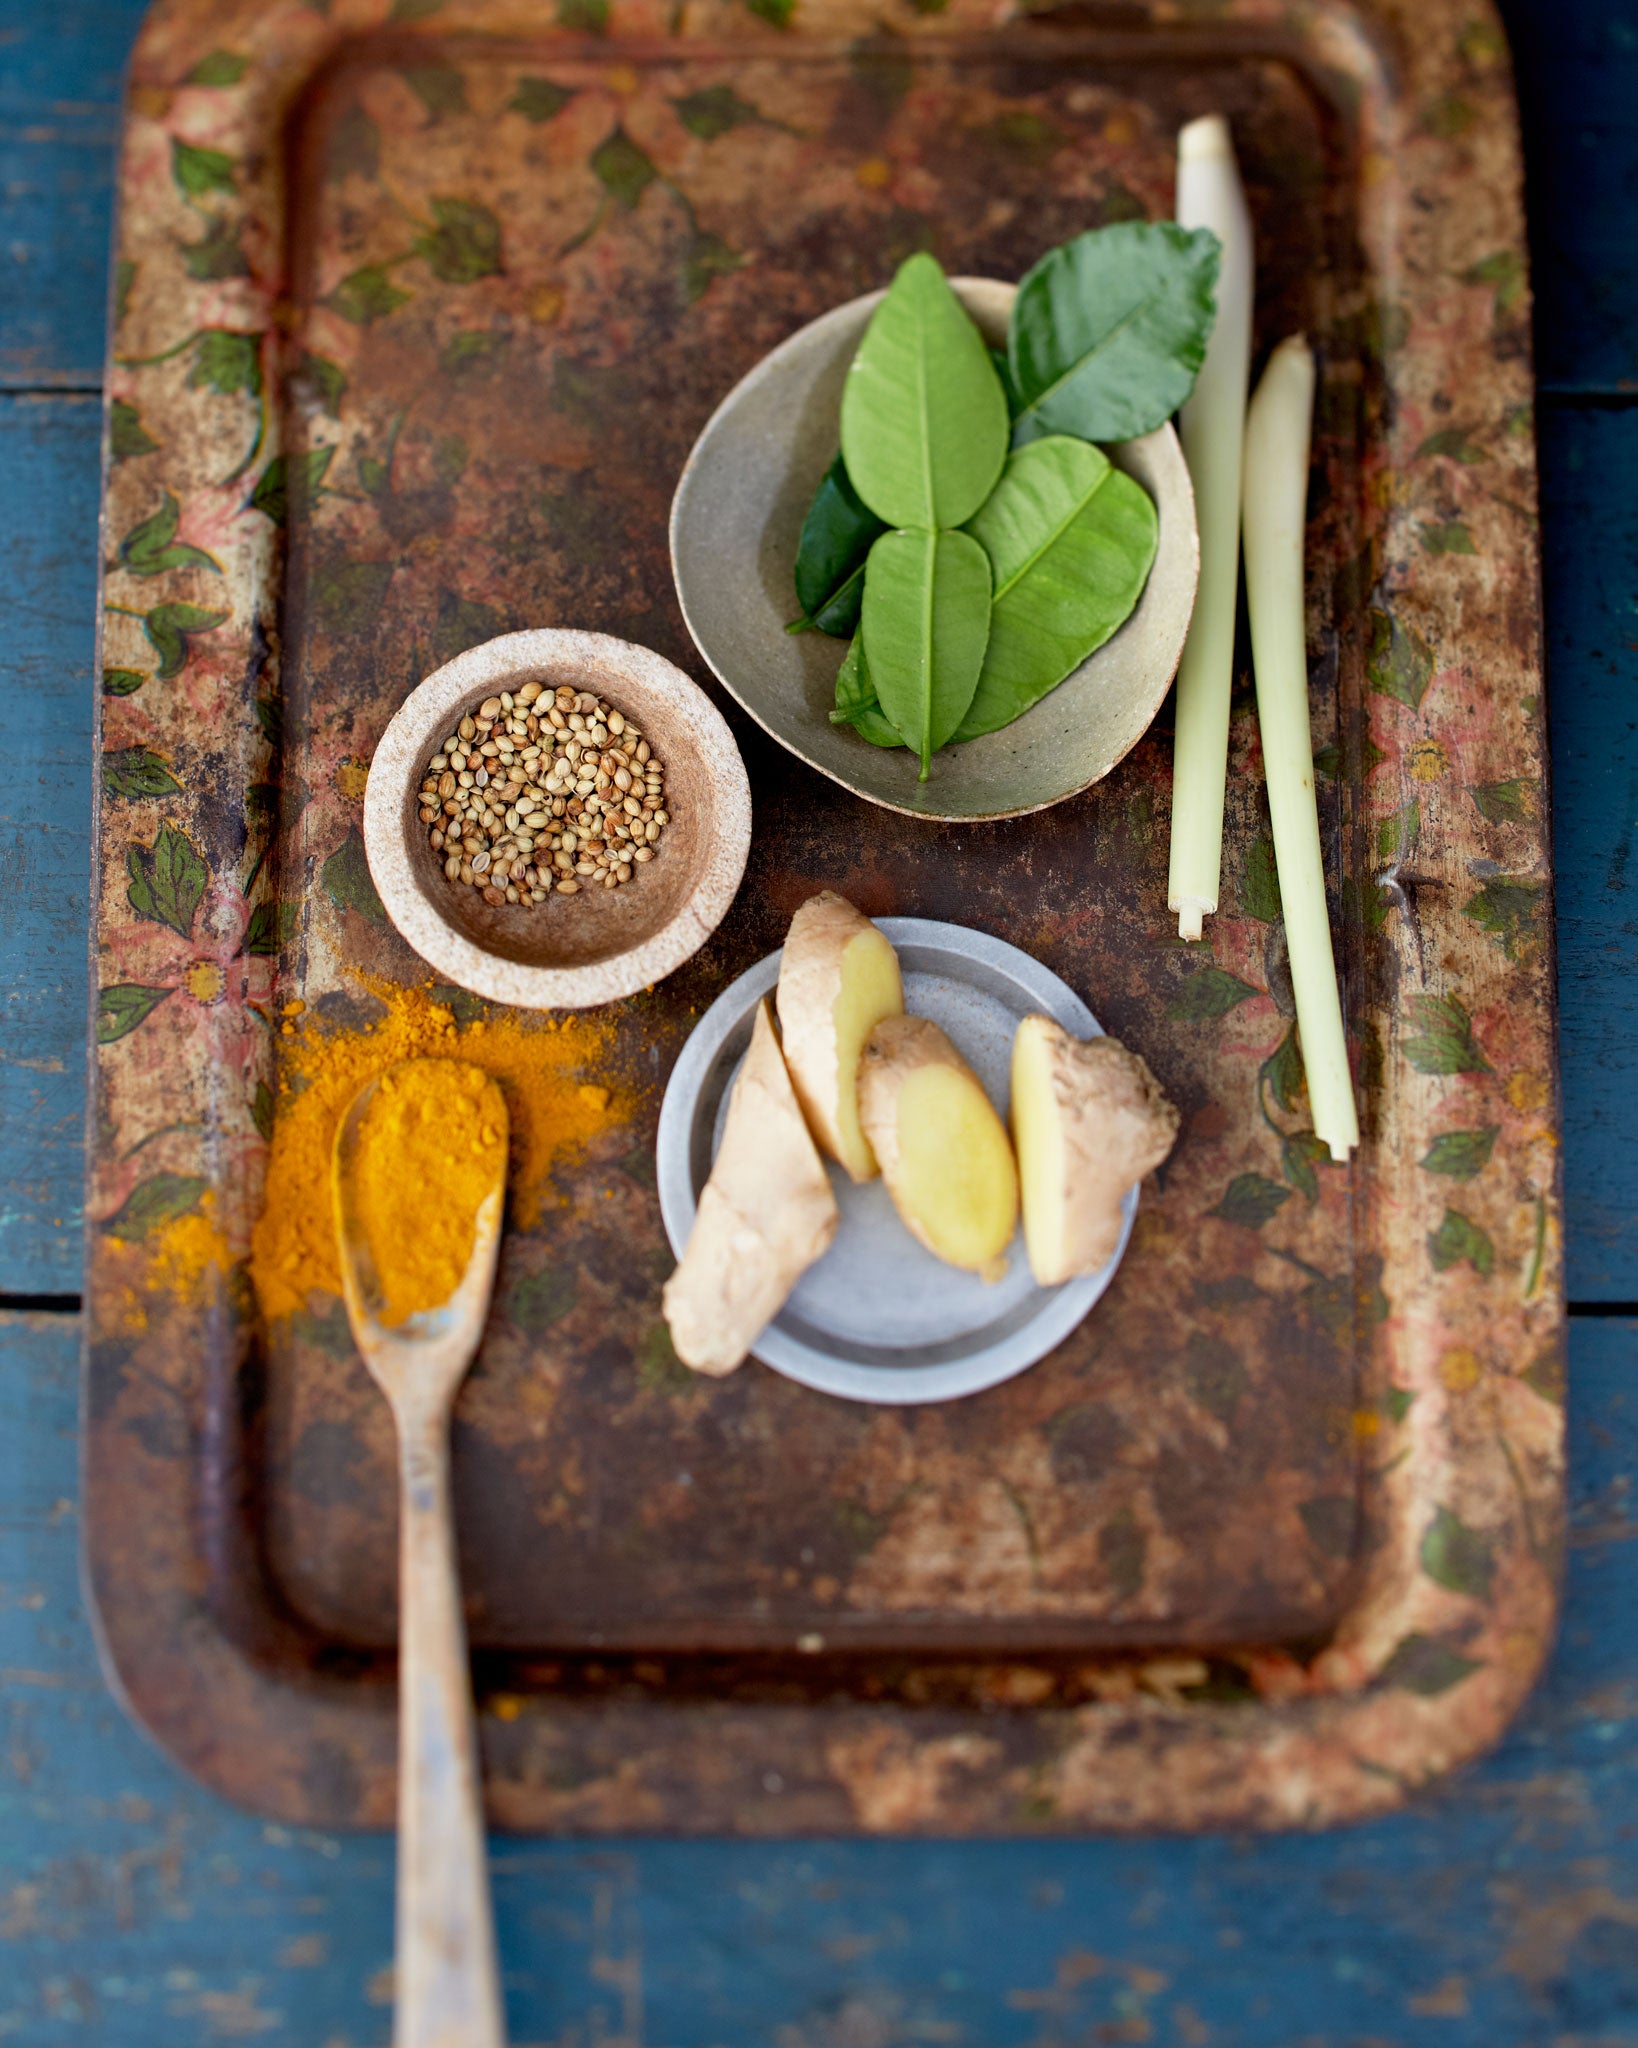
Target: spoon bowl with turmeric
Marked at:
419, 1175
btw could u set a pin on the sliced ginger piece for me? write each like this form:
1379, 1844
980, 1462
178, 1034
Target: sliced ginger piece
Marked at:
944, 1152
838, 978
766, 1213
1090, 1121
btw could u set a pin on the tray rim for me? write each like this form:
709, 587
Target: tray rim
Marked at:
1307, 1754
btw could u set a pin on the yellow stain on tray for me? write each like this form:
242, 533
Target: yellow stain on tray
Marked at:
558, 1094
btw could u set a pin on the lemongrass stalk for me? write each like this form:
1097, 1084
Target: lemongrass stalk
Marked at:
1212, 429
1278, 425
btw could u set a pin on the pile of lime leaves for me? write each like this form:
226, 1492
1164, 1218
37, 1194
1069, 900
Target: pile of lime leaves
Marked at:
972, 539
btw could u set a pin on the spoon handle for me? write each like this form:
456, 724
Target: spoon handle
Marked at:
448, 1990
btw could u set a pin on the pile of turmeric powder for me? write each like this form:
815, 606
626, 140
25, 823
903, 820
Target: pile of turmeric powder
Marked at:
553, 1075
428, 1149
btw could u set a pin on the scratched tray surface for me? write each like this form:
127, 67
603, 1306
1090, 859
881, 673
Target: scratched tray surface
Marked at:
503, 283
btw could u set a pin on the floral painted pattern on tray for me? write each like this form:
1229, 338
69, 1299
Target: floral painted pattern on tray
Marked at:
305, 512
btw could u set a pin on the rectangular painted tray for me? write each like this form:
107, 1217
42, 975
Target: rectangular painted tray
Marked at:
417, 314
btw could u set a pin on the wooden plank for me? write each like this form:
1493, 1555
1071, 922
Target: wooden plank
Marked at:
1589, 466
59, 122
1501, 1908
1577, 72
48, 527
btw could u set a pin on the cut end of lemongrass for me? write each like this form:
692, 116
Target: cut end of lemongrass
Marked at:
1207, 137
1341, 1150
1191, 917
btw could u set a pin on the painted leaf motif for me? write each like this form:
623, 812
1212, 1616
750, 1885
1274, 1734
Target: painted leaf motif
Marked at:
136, 772
1328, 761
471, 352
271, 927
1399, 662
926, 619
1300, 1153
1071, 540
1396, 835
150, 548
261, 1110
120, 682
167, 879
1109, 331
124, 277
121, 1008
1444, 1044
1283, 1071
1459, 1238
1338, 1303
171, 628
1215, 1375
198, 171
713, 111
127, 436
414, 10
154, 1202
366, 294
709, 256
1422, 1664
355, 146
290, 484
221, 67
1504, 803
777, 13
1251, 1199
1452, 443
588, 17
346, 879
837, 536
1506, 908
463, 622
856, 702
1504, 272
1447, 537
227, 363
465, 242
543, 1298
623, 170
924, 418
1260, 882
440, 88
1462, 1154
1457, 1557
1332, 1522
217, 253
1123, 1547
1209, 993
539, 99
348, 596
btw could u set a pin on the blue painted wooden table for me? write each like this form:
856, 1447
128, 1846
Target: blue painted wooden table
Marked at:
1503, 1909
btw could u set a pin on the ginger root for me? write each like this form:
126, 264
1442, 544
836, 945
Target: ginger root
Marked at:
766, 1213
944, 1152
1089, 1120
838, 978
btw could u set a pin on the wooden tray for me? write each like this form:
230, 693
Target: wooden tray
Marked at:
1274, 1536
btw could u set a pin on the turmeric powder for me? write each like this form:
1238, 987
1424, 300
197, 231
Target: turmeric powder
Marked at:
429, 1147
545, 1072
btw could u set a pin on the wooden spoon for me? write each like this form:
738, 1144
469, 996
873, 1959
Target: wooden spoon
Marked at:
448, 1989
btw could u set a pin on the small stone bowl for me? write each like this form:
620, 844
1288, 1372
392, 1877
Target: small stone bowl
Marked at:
570, 952
735, 522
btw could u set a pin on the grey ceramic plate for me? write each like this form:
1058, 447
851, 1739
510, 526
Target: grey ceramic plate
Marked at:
735, 522
878, 1318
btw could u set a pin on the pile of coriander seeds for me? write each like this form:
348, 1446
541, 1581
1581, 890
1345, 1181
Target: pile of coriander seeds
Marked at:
542, 791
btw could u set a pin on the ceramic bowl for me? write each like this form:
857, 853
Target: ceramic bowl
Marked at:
735, 522
570, 952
